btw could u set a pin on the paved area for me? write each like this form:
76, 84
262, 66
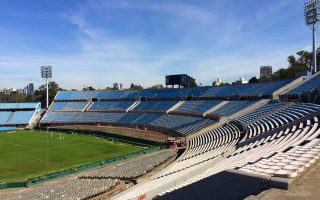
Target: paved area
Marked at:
307, 187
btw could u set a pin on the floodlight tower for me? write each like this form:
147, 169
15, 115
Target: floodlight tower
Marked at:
311, 13
46, 74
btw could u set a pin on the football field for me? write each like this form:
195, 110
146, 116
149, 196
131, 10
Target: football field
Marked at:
25, 154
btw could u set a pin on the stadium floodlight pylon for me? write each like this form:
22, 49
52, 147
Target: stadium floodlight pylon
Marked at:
311, 13
46, 73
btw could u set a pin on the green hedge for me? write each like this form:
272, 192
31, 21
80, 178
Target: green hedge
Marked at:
12, 185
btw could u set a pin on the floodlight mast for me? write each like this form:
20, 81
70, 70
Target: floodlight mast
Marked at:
46, 74
311, 13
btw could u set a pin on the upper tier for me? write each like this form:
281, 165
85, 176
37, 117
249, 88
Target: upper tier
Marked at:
18, 114
13, 106
307, 85
246, 90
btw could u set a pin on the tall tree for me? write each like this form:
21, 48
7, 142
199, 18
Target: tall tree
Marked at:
135, 87
296, 64
89, 88
191, 82
156, 87
253, 80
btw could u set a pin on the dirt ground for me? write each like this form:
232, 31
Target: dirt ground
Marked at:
151, 135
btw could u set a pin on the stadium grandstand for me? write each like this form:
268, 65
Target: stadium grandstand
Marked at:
309, 88
18, 115
249, 131
159, 100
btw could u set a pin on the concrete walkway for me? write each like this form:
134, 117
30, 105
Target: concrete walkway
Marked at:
307, 187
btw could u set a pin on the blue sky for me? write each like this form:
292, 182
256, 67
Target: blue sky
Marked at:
99, 42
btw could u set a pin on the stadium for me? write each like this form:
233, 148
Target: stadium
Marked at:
259, 134
247, 139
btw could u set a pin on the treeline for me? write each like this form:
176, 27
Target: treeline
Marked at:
299, 63
38, 96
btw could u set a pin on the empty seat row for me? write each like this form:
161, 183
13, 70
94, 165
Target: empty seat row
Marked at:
308, 85
182, 124
286, 164
251, 89
16, 117
110, 105
69, 106
264, 110
91, 184
199, 106
25, 105
286, 115
134, 168
155, 105
232, 107
219, 149
277, 155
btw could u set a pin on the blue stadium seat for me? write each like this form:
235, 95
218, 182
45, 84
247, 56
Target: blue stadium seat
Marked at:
308, 85
69, 106
4, 116
110, 105
155, 105
21, 117
199, 106
232, 107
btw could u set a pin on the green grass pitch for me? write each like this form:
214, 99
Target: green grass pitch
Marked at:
23, 154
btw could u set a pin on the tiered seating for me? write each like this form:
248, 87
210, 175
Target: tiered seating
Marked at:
4, 116
285, 116
154, 105
7, 128
21, 117
82, 95
131, 118
80, 117
182, 124
69, 106
199, 106
164, 93
252, 90
132, 169
213, 152
18, 113
271, 106
201, 152
204, 148
91, 184
25, 105
308, 85
110, 105
232, 107
71, 188
269, 156
286, 164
